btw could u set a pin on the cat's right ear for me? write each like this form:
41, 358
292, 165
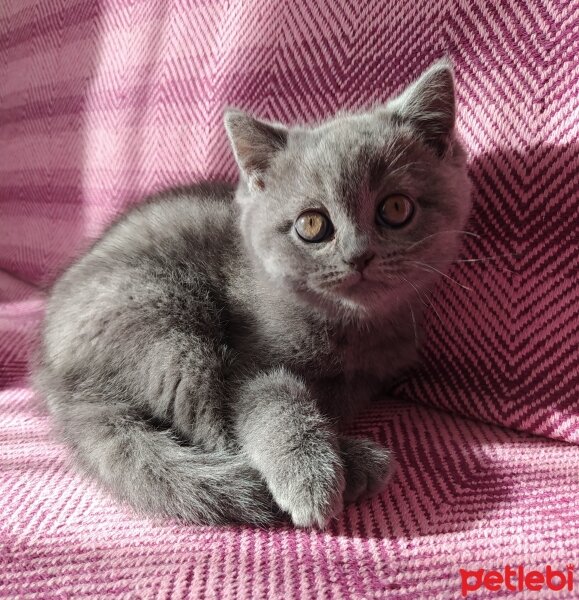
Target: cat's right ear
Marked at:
429, 105
255, 143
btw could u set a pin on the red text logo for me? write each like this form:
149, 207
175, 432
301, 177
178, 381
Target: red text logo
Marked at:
516, 579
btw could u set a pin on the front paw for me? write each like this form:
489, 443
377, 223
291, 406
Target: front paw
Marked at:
311, 486
368, 467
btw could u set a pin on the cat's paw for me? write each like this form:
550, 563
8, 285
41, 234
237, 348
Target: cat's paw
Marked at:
311, 488
368, 467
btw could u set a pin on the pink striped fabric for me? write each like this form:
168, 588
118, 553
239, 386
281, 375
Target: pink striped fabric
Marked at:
466, 495
102, 101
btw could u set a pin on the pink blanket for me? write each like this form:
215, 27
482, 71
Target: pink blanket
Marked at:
466, 496
102, 101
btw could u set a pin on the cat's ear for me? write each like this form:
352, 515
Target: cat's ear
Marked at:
254, 143
429, 105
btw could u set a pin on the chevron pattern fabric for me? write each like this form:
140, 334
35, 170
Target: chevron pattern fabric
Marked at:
104, 101
466, 495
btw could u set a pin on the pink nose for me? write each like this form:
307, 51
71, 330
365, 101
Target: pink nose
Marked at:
361, 261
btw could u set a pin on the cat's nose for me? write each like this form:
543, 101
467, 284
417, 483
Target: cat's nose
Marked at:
361, 261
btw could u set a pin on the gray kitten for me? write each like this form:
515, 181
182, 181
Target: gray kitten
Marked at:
200, 358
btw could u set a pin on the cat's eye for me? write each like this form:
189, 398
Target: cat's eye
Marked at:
395, 210
313, 226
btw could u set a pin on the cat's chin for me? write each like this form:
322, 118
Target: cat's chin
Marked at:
359, 285
357, 296
366, 297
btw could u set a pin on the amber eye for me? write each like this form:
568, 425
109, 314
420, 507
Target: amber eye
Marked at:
313, 226
395, 211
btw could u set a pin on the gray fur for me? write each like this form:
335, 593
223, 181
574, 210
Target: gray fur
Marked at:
200, 358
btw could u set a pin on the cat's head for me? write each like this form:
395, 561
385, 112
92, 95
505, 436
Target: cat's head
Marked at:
352, 213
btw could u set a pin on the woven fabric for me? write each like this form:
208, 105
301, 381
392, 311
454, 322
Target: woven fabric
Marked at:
465, 496
103, 101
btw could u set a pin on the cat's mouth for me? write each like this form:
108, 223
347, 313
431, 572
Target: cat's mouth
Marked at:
357, 281
354, 283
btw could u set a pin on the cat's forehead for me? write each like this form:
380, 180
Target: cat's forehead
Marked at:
353, 152
355, 141
345, 132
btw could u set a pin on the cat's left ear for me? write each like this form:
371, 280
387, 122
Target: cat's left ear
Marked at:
255, 143
429, 105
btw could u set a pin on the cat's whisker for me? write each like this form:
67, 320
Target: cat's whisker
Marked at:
474, 260
427, 267
387, 268
398, 156
327, 279
413, 324
431, 305
469, 233
326, 276
415, 289
329, 282
484, 258
497, 267
404, 167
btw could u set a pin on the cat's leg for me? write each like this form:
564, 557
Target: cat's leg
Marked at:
368, 467
182, 379
290, 442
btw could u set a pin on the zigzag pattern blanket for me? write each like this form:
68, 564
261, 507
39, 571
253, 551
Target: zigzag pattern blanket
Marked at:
103, 101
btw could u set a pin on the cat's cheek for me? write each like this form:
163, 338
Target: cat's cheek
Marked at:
277, 270
272, 267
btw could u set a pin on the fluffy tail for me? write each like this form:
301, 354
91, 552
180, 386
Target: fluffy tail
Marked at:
150, 470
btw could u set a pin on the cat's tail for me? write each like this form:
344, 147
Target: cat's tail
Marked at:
150, 470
